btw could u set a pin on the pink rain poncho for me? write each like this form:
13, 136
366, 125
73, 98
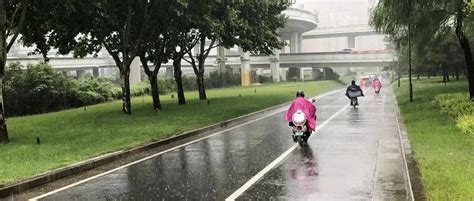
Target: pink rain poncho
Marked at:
376, 84
308, 109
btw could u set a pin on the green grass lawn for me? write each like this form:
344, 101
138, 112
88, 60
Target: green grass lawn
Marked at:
444, 154
73, 135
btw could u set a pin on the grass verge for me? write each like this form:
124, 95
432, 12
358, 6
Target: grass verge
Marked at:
73, 135
444, 154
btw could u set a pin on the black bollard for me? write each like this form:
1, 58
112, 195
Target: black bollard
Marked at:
208, 102
38, 141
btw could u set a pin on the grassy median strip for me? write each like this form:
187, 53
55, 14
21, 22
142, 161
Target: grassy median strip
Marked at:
73, 135
445, 155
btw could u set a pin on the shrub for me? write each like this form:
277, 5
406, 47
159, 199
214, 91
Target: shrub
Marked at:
456, 104
227, 79
38, 89
92, 84
466, 124
459, 107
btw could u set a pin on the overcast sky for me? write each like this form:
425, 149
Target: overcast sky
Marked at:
338, 12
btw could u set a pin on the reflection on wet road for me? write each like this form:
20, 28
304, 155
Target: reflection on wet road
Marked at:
355, 157
341, 161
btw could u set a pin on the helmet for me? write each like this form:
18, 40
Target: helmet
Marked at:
300, 93
298, 118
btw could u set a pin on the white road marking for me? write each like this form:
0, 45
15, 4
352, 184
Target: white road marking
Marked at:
168, 150
405, 164
277, 161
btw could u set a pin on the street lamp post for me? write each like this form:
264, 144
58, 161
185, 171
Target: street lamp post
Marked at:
409, 51
399, 73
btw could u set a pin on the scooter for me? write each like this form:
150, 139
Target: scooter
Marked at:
353, 96
300, 130
354, 102
377, 90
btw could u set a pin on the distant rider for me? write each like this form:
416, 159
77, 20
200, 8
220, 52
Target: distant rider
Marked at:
376, 84
354, 91
308, 108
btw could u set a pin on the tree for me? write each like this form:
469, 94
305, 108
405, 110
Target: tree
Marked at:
251, 25
158, 46
87, 26
428, 19
12, 18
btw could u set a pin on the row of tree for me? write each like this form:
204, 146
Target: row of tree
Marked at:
155, 31
439, 32
441, 57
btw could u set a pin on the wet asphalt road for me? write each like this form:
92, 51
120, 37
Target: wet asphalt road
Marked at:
355, 156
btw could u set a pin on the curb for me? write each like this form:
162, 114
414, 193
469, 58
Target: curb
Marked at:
89, 164
414, 183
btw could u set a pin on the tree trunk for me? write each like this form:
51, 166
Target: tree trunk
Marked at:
154, 92
464, 42
179, 81
444, 74
153, 78
456, 72
3, 122
125, 84
3, 61
201, 86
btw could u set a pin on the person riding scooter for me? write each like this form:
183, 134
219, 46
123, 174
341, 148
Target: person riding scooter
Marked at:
377, 85
354, 91
302, 105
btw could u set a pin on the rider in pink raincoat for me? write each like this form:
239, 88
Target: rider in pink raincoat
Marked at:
300, 103
376, 84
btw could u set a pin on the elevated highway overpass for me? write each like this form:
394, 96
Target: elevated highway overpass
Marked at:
285, 61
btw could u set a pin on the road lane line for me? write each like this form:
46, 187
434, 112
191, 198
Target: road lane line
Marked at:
277, 161
168, 150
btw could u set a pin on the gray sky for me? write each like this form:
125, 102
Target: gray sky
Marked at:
338, 12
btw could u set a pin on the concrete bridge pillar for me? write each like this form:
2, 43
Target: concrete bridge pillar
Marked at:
295, 42
351, 42
316, 73
302, 74
95, 72
283, 72
80, 73
300, 43
245, 69
221, 59
169, 73
221, 63
135, 71
275, 65
102, 72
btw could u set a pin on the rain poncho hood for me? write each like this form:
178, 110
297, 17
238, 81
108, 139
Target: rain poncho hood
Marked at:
308, 109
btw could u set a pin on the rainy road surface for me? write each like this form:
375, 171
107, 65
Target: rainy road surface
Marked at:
354, 155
